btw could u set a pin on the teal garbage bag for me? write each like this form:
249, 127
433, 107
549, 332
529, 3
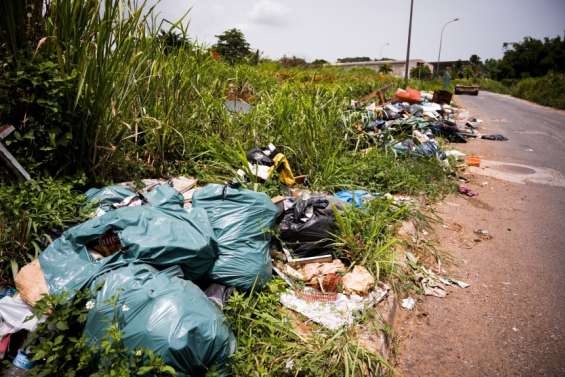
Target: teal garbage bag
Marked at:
161, 233
106, 197
241, 220
164, 313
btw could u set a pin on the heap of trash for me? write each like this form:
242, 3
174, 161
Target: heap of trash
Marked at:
172, 251
412, 121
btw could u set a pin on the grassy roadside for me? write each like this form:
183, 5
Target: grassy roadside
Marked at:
547, 90
130, 110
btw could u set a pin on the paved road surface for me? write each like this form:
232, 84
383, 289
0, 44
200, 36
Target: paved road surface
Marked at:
511, 321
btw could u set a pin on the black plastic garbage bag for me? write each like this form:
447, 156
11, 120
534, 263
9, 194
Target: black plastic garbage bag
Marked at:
451, 133
262, 156
161, 233
241, 220
307, 226
495, 137
161, 312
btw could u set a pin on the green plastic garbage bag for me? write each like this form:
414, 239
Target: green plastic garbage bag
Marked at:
241, 220
161, 233
105, 197
164, 313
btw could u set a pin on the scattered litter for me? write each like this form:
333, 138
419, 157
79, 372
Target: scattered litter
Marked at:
483, 234
431, 283
408, 303
237, 106
455, 154
467, 191
333, 314
474, 161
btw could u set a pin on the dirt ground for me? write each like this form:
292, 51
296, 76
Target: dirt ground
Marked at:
511, 321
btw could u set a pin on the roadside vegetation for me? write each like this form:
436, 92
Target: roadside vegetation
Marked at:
99, 97
531, 69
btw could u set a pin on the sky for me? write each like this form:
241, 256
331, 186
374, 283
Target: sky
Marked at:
330, 29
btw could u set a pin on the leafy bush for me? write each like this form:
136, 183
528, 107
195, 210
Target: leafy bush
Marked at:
31, 213
34, 97
547, 90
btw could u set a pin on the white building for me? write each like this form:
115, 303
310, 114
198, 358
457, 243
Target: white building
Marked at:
397, 66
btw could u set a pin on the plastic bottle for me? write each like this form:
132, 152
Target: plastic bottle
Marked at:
20, 366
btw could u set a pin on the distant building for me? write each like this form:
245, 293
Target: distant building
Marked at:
398, 66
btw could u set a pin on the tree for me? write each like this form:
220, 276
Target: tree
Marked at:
385, 69
421, 72
319, 62
232, 46
475, 60
293, 61
172, 41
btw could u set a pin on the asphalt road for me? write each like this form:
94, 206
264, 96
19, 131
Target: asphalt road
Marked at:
511, 321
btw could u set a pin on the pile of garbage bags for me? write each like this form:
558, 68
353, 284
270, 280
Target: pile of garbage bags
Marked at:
155, 255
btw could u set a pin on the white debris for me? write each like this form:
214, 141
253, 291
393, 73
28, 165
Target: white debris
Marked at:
335, 314
408, 303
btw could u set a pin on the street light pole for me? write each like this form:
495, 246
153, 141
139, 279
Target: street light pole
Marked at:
440, 43
408, 47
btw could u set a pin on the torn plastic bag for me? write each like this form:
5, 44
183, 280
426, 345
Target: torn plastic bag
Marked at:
427, 149
307, 226
163, 313
161, 233
106, 197
241, 220
262, 156
359, 197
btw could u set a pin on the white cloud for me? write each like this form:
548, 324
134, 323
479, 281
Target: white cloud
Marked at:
268, 12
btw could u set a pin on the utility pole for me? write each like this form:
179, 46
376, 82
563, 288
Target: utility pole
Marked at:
408, 47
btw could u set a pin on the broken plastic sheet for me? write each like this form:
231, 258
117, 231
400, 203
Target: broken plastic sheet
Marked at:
241, 221
334, 314
160, 311
161, 233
